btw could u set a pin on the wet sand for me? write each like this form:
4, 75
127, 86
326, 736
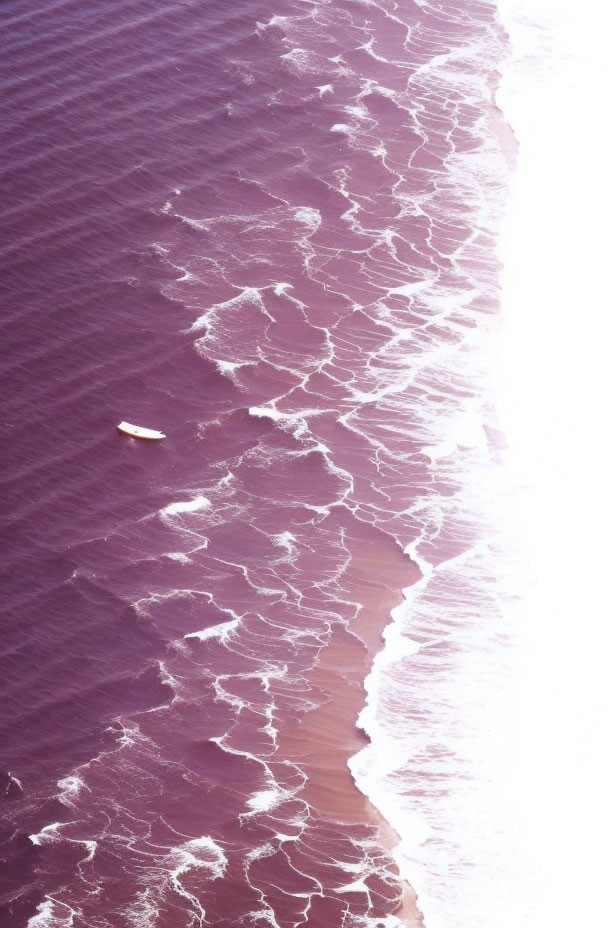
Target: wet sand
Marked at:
322, 740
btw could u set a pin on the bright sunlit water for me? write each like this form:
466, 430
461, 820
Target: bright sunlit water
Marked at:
552, 403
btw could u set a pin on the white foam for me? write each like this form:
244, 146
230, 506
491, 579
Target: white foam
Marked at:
198, 854
300, 59
91, 847
265, 799
309, 216
50, 833
258, 853
15, 780
246, 295
143, 912
178, 556
51, 913
410, 289
359, 111
70, 787
266, 412
281, 288
223, 631
46, 834
285, 540
203, 852
342, 127
192, 505
143, 604
168, 679
369, 48
230, 368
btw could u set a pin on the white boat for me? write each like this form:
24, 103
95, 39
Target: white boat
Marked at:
137, 431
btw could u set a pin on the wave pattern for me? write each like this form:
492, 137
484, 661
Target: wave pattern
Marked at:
270, 233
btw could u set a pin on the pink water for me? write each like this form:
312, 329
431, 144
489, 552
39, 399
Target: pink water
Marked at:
267, 230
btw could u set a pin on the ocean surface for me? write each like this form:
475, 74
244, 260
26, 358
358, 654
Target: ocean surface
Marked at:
254, 674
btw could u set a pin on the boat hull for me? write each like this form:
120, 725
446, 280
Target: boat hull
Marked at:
138, 431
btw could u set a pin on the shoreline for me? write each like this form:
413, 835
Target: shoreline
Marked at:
502, 137
324, 741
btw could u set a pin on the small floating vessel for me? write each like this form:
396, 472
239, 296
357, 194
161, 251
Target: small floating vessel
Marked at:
137, 431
